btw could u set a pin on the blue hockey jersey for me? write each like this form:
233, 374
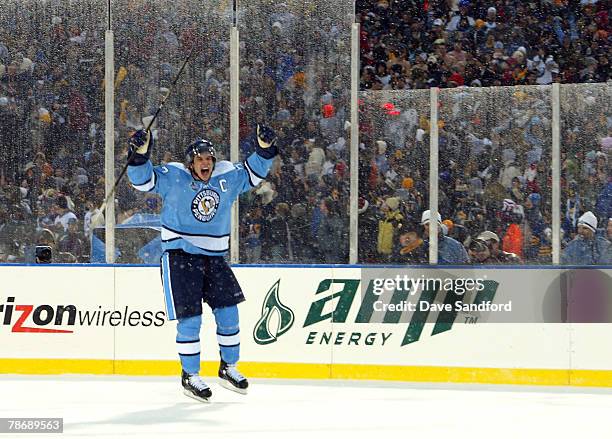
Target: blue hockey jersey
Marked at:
195, 215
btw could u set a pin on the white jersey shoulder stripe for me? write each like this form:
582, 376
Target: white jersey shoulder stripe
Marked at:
254, 179
223, 167
145, 187
180, 166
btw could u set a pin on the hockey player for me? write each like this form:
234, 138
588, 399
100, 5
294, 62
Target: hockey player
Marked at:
195, 229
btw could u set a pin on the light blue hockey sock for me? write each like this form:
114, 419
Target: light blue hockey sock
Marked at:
188, 343
228, 333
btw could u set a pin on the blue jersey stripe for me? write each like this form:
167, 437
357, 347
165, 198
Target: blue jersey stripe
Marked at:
168, 287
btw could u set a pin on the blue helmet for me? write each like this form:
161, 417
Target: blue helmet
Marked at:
198, 147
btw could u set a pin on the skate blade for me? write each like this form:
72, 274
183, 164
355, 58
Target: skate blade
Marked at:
197, 398
228, 386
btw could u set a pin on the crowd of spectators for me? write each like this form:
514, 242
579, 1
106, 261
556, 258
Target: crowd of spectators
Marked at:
495, 143
408, 44
52, 112
294, 71
494, 169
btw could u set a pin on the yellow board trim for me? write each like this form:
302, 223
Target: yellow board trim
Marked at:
36, 366
432, 374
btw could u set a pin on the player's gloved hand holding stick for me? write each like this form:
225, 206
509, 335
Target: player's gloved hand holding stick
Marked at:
140, 146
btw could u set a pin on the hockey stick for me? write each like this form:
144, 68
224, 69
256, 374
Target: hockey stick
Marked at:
96, 217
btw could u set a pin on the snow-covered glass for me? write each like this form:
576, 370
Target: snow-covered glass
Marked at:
495, 172
152, 41
51, 126
586, 172
295, 77
393, 176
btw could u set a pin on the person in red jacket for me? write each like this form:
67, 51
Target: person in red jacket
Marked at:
512, 241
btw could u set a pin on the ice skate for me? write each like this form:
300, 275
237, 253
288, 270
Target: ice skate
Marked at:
195, 387
231, 379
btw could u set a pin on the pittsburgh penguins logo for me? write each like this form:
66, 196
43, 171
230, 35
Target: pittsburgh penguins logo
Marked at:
204, 205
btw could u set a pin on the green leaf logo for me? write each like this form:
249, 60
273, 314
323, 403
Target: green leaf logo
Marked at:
276, 318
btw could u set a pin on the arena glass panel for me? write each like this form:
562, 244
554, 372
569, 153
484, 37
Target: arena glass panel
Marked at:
393, 176
295, 77
51, 126
495, 151
586, 172
152, 41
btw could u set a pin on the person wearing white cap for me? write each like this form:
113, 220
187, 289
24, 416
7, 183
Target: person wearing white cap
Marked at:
491, 18
587, 248
497, 254
450, 251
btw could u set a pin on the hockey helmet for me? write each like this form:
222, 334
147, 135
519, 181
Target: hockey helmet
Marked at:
200, 146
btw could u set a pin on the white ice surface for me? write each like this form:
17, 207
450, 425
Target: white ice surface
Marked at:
139, 407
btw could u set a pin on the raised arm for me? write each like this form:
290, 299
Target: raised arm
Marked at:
256, 166
141, 173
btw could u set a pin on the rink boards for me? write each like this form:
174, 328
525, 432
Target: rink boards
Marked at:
322, 322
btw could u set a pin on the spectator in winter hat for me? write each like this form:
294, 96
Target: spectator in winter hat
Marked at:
587, 225
498, 256
450, 251
410, 248
491, 18
46, 237
479, 252
587, 248
498, 51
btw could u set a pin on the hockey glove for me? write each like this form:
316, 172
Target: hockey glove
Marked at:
141, 144
266, 142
